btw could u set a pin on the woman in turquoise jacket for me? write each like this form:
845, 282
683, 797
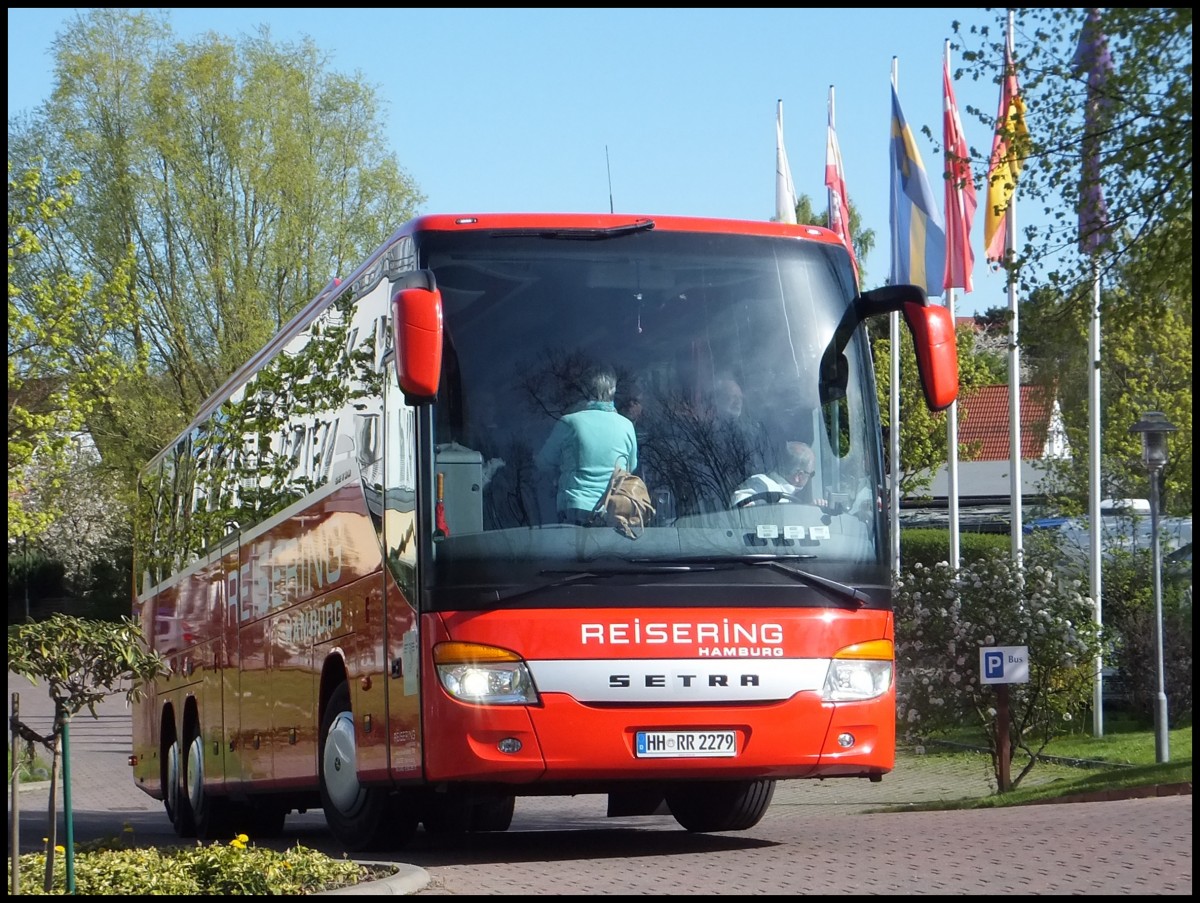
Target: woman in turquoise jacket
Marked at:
585, 445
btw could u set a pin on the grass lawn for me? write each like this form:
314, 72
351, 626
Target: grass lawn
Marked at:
1125, 757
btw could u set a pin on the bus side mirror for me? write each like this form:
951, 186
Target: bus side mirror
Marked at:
936, 346
932, 329
417, 327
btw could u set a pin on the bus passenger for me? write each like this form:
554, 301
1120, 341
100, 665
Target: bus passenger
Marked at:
584, 446
790, 482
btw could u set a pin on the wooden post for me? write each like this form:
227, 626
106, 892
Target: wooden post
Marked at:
1002, 749
14, 833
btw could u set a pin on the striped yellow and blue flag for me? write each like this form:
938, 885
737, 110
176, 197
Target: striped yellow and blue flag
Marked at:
918, 239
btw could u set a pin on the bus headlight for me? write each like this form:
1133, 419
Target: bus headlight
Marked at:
861, 671
484, 675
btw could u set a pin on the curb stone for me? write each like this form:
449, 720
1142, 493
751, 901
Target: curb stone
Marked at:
1183, 788
407, 879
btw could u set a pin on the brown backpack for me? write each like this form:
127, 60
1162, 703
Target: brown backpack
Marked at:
625, 505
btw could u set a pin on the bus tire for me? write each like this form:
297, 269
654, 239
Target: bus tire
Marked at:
492, 813
706, 806
446, 814
174, 794
457, 813
210, 815
357, 815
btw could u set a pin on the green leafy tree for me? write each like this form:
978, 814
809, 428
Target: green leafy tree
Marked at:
1130, 617
1145, 365
243, 173
82, 662
218, 186
1139, 132
64, 356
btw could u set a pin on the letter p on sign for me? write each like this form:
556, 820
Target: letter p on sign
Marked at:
993, 665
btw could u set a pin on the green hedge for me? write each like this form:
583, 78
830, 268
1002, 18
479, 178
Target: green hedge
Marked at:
929, 545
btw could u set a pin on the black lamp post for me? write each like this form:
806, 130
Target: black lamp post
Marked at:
1154, 427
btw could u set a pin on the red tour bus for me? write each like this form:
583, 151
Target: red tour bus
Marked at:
368, 601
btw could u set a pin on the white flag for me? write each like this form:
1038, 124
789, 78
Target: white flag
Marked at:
785, 190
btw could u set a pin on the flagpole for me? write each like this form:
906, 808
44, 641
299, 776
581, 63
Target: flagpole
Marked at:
835, 432
894, 414
829, 197
1093, 60
952, 415
952, 458
829, 200
1014, 400
1094, 492
1014, 360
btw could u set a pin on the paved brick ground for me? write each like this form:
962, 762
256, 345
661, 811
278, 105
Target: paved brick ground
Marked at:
811, 840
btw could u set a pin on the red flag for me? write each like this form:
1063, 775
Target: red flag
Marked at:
839, 205
1008, 153
960, 192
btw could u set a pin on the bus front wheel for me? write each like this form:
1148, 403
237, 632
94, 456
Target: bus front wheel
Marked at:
706, 806
357, 815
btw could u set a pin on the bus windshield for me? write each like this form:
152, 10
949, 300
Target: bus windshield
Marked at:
716, 344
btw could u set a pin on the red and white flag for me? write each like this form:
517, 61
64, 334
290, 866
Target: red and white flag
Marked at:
835, 181
961, 201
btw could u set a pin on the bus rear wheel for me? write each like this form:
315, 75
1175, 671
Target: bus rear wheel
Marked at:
361, 818
212, 816
174, 795
706, 806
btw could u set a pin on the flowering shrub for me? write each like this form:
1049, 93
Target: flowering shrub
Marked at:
942, 620
234, 868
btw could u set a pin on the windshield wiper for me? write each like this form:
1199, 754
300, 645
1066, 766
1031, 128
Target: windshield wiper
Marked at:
650, 567
845, 593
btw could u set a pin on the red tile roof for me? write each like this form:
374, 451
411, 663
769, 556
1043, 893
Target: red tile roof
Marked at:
983, 422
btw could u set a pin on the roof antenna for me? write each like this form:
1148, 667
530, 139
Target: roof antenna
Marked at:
609, 165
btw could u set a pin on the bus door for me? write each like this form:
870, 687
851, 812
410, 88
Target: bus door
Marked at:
400, 580
251, 722
227, 659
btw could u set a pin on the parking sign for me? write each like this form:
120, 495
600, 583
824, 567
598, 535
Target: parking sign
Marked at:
1004, 664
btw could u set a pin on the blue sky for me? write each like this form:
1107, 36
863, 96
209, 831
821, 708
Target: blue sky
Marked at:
530, 110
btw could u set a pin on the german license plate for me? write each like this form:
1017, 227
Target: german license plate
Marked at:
686, 744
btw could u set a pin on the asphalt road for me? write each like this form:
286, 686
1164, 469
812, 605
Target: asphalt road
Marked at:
818, 837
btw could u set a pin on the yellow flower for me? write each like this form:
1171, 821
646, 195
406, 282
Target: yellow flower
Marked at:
59, 848
243, 838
